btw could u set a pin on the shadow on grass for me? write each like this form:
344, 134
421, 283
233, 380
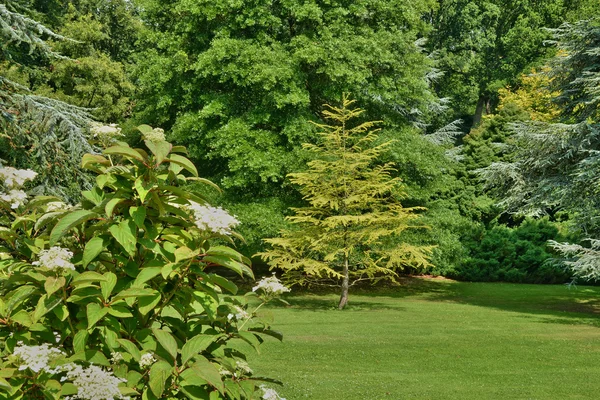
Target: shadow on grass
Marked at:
569, 305
329, 303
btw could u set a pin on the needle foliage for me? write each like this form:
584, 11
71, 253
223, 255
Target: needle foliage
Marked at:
350, 229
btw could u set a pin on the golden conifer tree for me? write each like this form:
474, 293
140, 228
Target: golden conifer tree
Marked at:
349, 231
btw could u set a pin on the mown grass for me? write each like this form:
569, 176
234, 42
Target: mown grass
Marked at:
431, 339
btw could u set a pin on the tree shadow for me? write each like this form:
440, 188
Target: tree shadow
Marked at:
552, 303
567, 304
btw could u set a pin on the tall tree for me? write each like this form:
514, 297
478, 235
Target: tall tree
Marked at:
556, 164
484, 45
350, 230
239, 81
38, 132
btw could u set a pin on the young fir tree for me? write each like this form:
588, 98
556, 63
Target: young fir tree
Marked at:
349, 231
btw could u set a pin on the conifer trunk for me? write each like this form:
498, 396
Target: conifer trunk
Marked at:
345, 284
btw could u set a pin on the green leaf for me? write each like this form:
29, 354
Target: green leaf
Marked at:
142, 188
251, 339
139, 215
91, 356
119, 312
196, 345
94, 313
110, 206
69, 221
145, 129
167, 341
194, 392
124, 151
54, 283
147, 304
108, 285
18, 296
91, 159
236, 266
61, 311
183, 194
159, 373
184, 162
68, 389
160, 150
276, 334
87, 277
126, 235
145, 275
92, 249
222, 282
80, 340
206, 370
134, 292
22, 317
185, 253
131, 348
45, 305
225, 251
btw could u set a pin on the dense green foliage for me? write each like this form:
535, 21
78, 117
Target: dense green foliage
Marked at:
240, 84
519, 254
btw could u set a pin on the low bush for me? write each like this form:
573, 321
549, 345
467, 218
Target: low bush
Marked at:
519, 254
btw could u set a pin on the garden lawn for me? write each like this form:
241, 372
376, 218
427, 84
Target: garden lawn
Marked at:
438, 339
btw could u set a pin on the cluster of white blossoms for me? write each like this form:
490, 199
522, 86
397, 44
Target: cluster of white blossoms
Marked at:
270, 394
244, 367
146, 360
15, 197
55, 258
93, 383
105, 133
14, 179
155, 135
56, 206
36, 358
213, 219
240, 314
116, 357
271, 286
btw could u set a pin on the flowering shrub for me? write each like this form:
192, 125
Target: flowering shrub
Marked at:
119, 297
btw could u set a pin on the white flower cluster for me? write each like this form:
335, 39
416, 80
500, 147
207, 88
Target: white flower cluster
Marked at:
105, 133
15, 197
56, 206
93, 383
270, 394
155, 135
14, 179
116, 357
213, 219
240, 314
271, 286
146, 360
36, 358
55, 258
244, 367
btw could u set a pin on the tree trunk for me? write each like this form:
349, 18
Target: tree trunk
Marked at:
345, 283
481, 104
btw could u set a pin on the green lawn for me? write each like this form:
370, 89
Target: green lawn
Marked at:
431, 339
